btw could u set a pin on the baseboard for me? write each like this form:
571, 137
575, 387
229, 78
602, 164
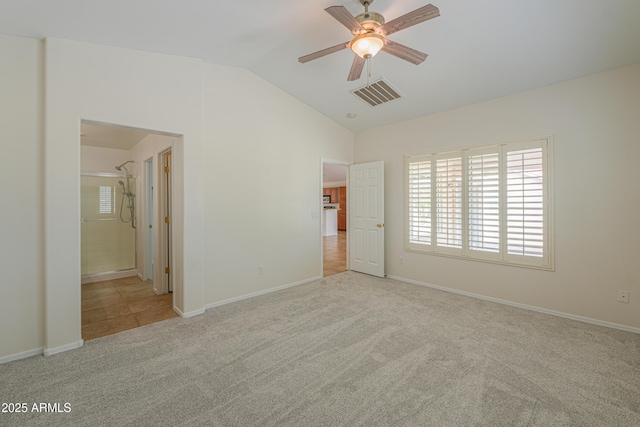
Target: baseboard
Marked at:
255, 294
108, 275
189, 313
23, 355
523, 306
62, 348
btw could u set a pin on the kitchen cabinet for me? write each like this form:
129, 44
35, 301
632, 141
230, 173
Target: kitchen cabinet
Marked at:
333, 192
327, 192
339, 195
342, 213
334, 195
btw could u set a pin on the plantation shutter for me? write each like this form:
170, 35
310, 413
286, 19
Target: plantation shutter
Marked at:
448, 200
526, 219
483, 198
107, 199
419, 200
490, 203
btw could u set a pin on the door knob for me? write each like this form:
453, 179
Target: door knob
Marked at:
378, 225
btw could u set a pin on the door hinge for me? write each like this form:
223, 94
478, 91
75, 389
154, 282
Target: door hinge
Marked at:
167, 270
150, 226
166, 169
167, 220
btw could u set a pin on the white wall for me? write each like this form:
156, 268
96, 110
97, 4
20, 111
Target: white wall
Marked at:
21, 255
102, 160
262, 154
596, 127
123, 87
256, 162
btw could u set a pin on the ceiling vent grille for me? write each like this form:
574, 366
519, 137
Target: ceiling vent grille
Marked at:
377, 93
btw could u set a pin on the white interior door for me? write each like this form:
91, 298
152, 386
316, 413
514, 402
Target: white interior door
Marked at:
366, 218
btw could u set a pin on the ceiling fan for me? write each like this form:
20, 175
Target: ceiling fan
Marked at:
370, 35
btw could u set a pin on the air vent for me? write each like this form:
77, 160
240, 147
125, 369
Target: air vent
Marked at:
378, 92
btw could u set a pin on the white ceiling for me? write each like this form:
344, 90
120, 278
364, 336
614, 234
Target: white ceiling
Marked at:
109, 136
478, 50
334, 173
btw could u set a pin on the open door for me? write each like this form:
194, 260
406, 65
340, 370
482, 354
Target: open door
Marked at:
366, 218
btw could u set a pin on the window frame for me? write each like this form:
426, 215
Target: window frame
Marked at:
545, 262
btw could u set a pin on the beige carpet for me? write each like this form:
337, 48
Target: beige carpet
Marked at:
348, 350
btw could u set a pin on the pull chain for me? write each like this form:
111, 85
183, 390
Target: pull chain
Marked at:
368, 70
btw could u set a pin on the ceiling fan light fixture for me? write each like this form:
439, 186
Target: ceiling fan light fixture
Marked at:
367, 45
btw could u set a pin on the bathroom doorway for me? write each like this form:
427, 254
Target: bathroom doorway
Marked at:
122, 207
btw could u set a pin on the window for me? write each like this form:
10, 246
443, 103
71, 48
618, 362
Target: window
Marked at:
107, 195
490, 203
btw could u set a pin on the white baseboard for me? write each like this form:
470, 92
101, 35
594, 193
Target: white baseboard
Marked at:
524, 306
189, 313
255, 294
108, 275
62, 348
22, 355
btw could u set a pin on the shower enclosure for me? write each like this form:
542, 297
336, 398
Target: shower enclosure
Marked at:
108, 210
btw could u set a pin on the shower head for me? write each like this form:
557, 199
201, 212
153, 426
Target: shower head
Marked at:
122, 165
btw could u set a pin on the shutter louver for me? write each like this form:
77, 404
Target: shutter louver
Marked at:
419, 203
483, 195
525, 202
449, 202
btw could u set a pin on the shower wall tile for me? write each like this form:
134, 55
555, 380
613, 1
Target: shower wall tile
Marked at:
107, 243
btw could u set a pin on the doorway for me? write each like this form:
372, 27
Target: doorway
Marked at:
121, 300
334, 217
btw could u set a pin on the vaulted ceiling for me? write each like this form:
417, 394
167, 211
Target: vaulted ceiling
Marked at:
478, 50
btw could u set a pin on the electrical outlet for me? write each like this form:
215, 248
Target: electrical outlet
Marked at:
261, 269
623, 296
401, 260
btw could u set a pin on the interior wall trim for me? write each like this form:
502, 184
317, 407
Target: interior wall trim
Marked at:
23, 355
188, 314
62, 348
523, 306
255, 294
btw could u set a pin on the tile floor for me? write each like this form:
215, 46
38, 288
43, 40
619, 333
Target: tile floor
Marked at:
117, 305
335, 254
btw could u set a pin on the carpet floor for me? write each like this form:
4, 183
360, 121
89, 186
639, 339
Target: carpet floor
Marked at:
347, 350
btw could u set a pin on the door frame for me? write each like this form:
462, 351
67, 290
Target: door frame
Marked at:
324, 161
148, 219
163, 235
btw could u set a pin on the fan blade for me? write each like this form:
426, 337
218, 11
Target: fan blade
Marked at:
342, 15
410, 19
404, 52
323, 52
356, 68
